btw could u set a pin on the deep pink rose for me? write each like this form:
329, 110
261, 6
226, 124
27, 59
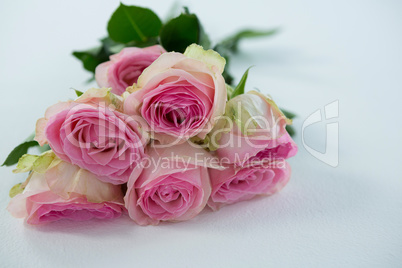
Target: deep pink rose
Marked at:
238, 184
180, 95
65, 191
125, 67
256, 131
173, 187
92, 134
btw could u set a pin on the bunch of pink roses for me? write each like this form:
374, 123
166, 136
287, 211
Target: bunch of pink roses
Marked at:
162, 138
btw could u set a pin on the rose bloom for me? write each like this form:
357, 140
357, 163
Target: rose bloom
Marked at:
91, 133
62, 192
233, 184
173, 187
180, 95
255, 131
125, 67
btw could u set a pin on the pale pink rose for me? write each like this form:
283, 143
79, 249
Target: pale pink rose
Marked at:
125, 67
173, 187
256, 131
235, 184
180, 95
65, 191
91, 133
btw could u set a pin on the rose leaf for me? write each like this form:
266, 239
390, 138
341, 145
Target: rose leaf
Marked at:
182, 31
242, 84
18, 152
132, 23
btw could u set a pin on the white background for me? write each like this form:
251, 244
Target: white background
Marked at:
349, 216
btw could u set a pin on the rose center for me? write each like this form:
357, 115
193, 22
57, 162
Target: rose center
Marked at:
131, 77
176, 116
168, 194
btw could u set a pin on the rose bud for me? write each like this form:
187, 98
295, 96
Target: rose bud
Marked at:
233, 184
180, 95
174, 185
58, 190
125, 67
94, 134
253, 130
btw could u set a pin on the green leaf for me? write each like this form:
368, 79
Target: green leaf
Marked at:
242, 84
78, 93
182, 31
290, 130
179, 33
150, 42
231, 43
288, 114
132, 23
92, 57
19, 151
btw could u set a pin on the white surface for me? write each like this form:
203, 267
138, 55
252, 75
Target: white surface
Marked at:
349, 216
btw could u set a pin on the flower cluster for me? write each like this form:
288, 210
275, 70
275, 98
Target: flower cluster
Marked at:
162, 138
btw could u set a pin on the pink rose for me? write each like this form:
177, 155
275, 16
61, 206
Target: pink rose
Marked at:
92, 134
125, 67
180, 95
238, 184
173, 187
281, 148
62, 192
255, 132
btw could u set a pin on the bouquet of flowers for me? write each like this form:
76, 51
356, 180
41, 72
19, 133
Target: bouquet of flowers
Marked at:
165, 135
